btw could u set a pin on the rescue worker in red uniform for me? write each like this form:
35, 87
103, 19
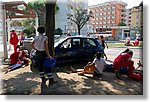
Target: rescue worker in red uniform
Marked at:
14, 39
14, 58
136, 42
124, 61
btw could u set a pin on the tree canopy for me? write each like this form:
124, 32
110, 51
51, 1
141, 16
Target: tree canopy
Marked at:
80, 16
121, 24
40, 9
58, 31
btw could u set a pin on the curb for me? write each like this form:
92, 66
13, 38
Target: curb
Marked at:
126, 47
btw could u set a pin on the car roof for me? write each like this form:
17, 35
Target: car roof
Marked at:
77, 36
66, 37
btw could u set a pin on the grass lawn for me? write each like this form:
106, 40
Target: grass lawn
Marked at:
122, 44
115, 44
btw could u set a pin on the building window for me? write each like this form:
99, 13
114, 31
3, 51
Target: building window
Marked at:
100, 8
109, 13
105, 8
113, 12
113, 16
113, 22
113, 7
137, 16
109, 8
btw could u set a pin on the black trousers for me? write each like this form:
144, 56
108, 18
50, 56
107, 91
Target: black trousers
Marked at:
41, 55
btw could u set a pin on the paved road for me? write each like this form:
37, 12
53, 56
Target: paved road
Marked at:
137, 52
113, 52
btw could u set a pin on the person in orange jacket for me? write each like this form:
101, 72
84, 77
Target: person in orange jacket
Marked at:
14, 39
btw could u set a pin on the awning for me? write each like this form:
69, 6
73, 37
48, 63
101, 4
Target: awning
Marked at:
13, 8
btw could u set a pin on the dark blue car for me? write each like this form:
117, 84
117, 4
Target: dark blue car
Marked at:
76, 48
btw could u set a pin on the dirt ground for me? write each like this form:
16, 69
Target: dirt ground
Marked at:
24, 82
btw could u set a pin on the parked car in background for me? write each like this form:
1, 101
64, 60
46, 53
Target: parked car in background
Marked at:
76, 48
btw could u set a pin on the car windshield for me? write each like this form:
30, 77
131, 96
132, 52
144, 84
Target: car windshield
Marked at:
60, 40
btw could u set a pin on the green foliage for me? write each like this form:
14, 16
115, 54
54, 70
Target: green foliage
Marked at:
121, 24
39, 7
15, 23
80, 16
58, 31
56, 9
30, 32
28, 25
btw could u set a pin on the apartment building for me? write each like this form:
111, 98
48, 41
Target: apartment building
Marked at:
127, 20
134, 19
61, 17
106, 15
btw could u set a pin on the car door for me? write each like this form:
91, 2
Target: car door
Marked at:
89, 48
75, 50
62, 51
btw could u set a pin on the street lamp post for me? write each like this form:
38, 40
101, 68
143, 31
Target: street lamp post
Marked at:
93, 29
65, 29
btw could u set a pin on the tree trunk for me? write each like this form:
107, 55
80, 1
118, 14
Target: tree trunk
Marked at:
50, 25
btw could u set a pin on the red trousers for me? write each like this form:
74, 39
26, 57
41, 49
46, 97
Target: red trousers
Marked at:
15, 48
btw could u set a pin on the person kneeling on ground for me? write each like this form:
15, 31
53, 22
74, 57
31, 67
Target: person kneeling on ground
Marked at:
96, 68
136, 42
18, 59
124, 60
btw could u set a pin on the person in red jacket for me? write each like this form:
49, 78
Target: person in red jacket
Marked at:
124, 61
15, 57
136, 42
14, 39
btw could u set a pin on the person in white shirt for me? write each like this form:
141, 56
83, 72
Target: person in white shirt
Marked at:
40, 44
96, 68
99, 63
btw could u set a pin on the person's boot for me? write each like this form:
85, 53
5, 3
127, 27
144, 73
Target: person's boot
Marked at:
117, 74
43, 80
51, 81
